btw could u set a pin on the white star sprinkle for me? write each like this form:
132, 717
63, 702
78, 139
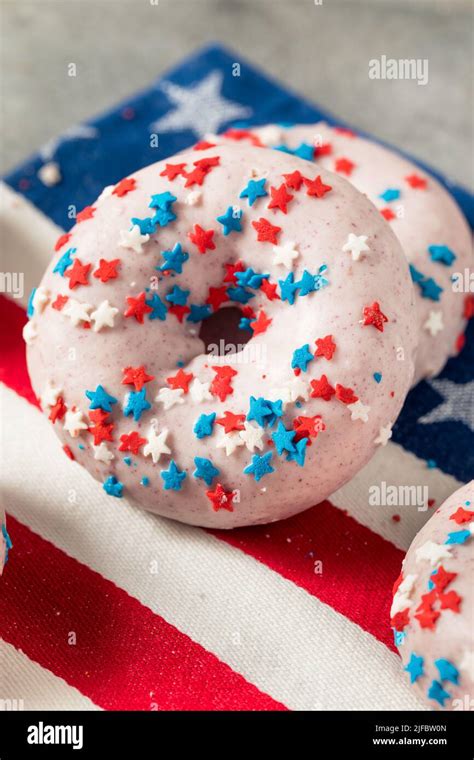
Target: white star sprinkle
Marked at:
169, 397
74, 422
385, 433
270, 134
299, 389
103, 316
229, 442
359, 411
433, 553
282, 394
402, 600
355, 245
50, 395
434, 323
102, 453
133, 239
252, 436
40, 299
106, 192
77, 311
193, 198
199, 392
285, 254
156, 445
30, 332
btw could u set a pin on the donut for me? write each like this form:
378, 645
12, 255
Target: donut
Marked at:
5, 542
424, 216
432, 610
271, 424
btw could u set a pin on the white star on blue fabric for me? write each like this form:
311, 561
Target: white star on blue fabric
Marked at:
200, 108
457, 403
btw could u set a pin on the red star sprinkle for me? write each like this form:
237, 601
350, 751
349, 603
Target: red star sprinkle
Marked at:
468, 312
231, 269
180, 381
221, 384
416, 182
247, 311
207, 163
131, 442
266, 232
345, 131
387, 214
203, 145
293, 180
450, 601
325, 347
202, 239
225, 371
441, 578
396, 584
136, 376
323, 150
137, 307
196, 177
344, 166
427, 618
68, 452
322, 389
462, 516
98, 416
173, 170
231, 421
316, 187
400, 620
107, 270
60, 302
460, 343
179, 311
78, 274
58, 410
427, 600
243, 134
346, 395
280, 198
86, 213
261, 323
124, 186
62, 240
308, 426
101, 432
220, 498
216, 297
269, 288
373, 316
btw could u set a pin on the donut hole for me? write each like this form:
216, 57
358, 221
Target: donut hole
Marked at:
221, 333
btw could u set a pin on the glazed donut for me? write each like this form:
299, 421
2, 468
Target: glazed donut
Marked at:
424, 216
432, 611
117, 361
5, 542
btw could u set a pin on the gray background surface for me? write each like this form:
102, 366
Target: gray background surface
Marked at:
322, 51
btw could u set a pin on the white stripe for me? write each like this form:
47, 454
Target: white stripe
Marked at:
28, 238
286, 642
397, 467
25, 685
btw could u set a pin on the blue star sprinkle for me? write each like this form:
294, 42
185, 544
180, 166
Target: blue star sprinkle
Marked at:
260, 466
198, 313
231, 220
204, 425
288, 288
178, 296
429, 289
277, 411
174, 259
416, 276
390, 194
319, 280
299, 455
241, 295
283, 438
307, 283
414, 667
113, 487
100, 399
255, 189
301, 358
205, 470
447, 671
250, 278
458, 537
8, 542
259, 410
304, 151
65, 261
173, 477
442, 254
244, 324
162, 201
437, 693
30, 310
136, 404
159, 308
163, 217
146, 226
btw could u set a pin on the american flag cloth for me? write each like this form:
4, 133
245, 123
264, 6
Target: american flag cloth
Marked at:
106, 607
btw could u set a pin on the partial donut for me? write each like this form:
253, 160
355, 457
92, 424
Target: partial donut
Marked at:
424, 216
433, 612
265, 429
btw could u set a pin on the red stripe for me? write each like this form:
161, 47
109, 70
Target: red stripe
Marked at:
358, 566
125, 656
13, 371
357, 570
